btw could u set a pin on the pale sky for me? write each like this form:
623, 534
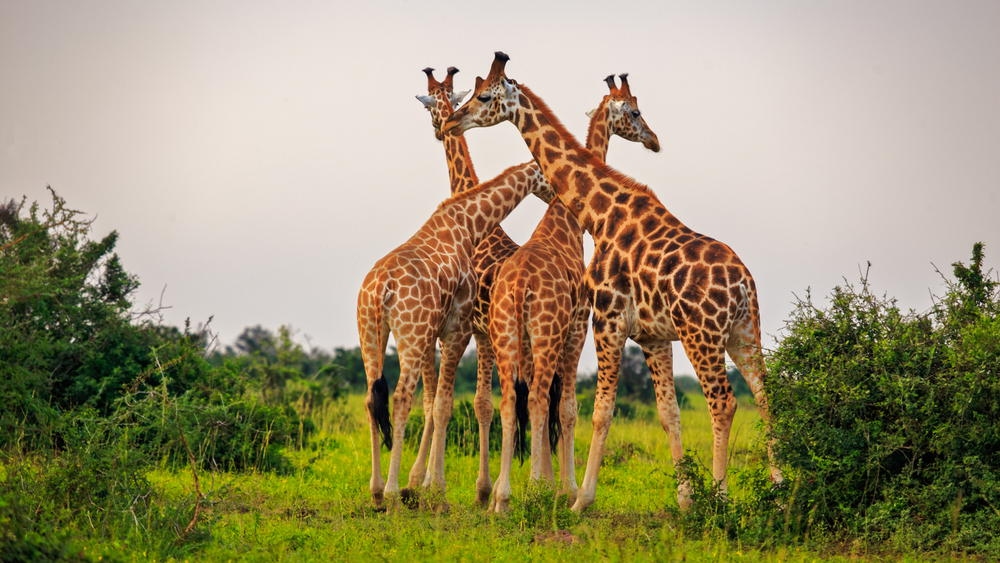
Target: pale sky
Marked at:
258, 158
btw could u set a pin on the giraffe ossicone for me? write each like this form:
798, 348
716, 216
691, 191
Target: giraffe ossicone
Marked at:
651, 279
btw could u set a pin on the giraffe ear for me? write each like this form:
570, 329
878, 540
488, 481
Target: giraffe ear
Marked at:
427, 101
591, 113
507, 86
456, 97
479, 82
617, 104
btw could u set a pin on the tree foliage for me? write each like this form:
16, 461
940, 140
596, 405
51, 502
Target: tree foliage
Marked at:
69, 341
889, 420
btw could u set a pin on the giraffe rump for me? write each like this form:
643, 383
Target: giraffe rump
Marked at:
380, 410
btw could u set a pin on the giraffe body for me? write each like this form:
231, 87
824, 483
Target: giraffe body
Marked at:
652, 279
423, 291
489, 255
539, 298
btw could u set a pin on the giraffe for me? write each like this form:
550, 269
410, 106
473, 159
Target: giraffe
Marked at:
441, 101
496, 247
539, 294
423, 291
651, 279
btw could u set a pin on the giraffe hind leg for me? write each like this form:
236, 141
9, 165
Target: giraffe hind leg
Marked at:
660, 359
419, 470
374, 335
484, 414
710, 364
748, 361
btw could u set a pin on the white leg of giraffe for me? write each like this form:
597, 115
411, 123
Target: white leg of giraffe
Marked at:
412, 362
609, 340
419, 469
567, 405
746, 355
660, 359
453, 346
373, 354
484, 414
376, 484
544, 360
507, 366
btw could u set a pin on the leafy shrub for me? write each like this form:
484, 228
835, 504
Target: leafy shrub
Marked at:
889, 420
763, 514
22, 539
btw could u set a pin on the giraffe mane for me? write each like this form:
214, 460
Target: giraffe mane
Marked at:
593, 120
474, 191
581, 151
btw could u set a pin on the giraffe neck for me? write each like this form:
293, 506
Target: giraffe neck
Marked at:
480, 209
560, 228
599, 133
460, 171
590, 189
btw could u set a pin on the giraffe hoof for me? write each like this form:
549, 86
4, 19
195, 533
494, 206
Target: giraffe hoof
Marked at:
483, 496
502, 506
433, 499
409, 498
581, 504
569, 494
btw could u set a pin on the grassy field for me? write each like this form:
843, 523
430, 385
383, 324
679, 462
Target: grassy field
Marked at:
322, 510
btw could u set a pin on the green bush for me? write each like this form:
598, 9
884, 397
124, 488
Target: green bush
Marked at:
888, 421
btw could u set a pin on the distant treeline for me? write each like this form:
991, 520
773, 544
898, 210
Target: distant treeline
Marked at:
268, 354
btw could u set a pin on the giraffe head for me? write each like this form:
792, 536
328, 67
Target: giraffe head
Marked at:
623, 116
441, 99
494, 99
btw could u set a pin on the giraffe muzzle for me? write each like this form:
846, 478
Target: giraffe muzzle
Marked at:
652, 143
454, 126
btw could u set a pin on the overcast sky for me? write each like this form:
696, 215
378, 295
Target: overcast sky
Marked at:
258, 158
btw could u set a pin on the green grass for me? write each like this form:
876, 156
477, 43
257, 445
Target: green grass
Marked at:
322, 510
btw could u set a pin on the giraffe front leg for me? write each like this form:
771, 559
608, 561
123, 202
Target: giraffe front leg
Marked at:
484, 415
610, 341
660, 359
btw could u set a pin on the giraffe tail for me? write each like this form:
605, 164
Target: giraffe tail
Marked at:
521, 390
380, 410
521, 419
555, 425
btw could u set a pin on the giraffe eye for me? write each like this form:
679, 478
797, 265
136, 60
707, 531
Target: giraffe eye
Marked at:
635, 114
484, 98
